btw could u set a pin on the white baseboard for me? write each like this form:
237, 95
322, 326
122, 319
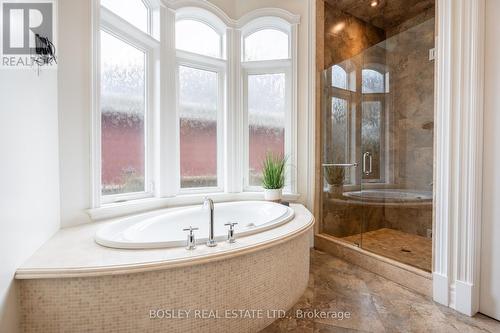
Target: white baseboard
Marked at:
440, 289
465, 301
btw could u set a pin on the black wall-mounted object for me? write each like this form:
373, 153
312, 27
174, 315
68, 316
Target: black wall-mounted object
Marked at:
45, 51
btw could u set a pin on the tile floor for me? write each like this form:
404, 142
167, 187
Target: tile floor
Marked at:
406, 248
375, 304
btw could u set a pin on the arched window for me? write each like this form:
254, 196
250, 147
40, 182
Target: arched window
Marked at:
373, 82
133, 11
200, 100
339, 77
197, 37
374, 87
266, 44
192, 105
267, 77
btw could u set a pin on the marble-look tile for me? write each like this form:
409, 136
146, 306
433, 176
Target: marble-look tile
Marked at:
376, 304
401, 246
408, 276
345, 36
388, 13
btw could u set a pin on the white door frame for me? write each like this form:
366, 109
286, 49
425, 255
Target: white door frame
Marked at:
458, 156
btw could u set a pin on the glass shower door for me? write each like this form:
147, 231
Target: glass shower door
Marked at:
342, 218
396, 146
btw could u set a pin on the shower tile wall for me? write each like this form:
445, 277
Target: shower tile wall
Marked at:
346, 36
410, 106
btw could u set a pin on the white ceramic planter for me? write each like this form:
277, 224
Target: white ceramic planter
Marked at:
273, 195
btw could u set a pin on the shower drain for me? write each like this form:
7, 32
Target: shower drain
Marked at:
406, 250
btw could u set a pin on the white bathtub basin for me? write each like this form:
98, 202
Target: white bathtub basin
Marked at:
164, 228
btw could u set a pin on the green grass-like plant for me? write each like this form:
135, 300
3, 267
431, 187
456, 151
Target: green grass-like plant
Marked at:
273, 171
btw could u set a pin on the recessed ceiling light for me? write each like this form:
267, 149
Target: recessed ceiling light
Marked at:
374, 3
338, 27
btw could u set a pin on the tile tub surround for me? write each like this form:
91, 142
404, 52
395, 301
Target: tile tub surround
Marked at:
105, 298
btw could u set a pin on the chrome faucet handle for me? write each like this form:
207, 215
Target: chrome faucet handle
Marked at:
230, 233
191, 240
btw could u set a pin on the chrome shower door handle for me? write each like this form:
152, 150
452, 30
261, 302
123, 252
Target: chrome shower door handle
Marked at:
368, 155
340, 165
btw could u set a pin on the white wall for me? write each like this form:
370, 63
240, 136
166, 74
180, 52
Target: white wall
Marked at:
29, 175
75, 97
74, 48
490, 253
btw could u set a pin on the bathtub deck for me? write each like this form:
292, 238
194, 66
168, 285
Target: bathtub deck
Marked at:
406, 248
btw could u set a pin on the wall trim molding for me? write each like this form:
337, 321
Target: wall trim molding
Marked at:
459, 146
311, 103
293, 19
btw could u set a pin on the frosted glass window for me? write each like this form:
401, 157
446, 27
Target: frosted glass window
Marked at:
198, 96
373, 82
340, 130
266, 44
371, 134
339, 77
266, 120
122, 116
134, 11
197, 37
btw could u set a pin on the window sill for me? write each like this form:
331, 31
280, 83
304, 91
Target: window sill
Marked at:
112, 210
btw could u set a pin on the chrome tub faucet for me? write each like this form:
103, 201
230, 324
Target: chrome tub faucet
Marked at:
211, 238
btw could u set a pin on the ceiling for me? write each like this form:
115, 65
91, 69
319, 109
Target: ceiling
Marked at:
387, 14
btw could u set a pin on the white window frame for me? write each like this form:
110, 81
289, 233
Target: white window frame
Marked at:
386, 172
218, 66
163, 153
118, 27
285, 66
201, 62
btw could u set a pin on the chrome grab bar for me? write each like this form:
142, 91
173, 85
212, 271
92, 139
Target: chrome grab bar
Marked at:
345, 165
370, 159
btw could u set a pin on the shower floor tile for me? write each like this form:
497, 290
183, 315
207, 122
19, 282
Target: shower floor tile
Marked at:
406, 248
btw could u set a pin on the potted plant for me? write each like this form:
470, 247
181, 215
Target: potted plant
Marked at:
273, 176
334, 177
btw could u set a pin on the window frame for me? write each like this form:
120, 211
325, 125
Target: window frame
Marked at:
149, 23
205, 63
353, 92
274, 66
119, 28
262, 70
379, 97
347, 94
163, 149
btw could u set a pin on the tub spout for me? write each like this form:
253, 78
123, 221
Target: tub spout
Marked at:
211, 238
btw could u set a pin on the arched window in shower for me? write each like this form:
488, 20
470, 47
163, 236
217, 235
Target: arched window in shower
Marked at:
342, 80
374, 87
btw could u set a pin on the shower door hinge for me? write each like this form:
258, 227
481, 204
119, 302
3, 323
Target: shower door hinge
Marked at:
432, 54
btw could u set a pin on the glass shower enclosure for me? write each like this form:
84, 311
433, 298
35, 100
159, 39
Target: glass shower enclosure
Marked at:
377, 154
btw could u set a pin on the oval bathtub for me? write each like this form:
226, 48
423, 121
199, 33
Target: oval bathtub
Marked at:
265, 271
165, 229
